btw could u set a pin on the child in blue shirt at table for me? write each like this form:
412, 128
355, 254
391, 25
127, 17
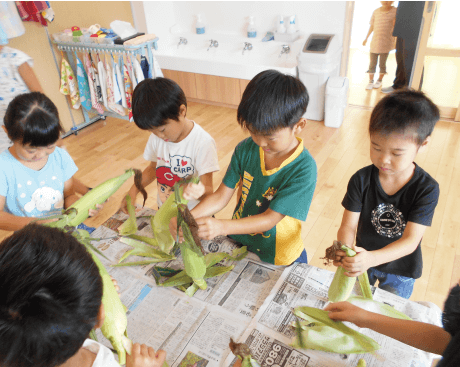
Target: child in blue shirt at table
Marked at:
389, 204
274, 175
36, 176
50, 299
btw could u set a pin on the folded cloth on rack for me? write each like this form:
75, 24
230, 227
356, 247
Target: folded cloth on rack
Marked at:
83, 86
97, 82
30, 11
10, 23
129, 65
68, 84
116, 85
128, 92
145, 67
92, 85
140, 39
138, 70
110, 91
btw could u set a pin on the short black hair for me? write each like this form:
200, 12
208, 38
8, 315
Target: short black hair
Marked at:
405, 111
50, 295
272, 101
32, 118
156, 100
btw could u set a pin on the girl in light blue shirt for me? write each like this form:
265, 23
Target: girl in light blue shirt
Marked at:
36, 176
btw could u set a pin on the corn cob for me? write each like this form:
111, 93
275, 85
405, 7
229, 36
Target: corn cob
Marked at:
243, 352
115, 322
342, 286
361, 363
98, 195
319, 332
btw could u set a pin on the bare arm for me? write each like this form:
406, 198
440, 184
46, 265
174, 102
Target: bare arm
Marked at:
206, 180
424, 336
371, 29
347, 231
28, 75
69, 193
214, 202
79, 187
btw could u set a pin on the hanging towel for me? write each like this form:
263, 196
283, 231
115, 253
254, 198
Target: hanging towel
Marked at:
110, 91
68, 84
92, 85
129, 65
145, 67
116, 86
102, 80
30, 11
128, 91
82, 78
121, 83
97, 82
138, 70
156, 67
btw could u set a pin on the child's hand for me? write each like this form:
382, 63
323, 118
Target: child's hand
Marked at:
364, 42
95, 211
124, 204
345, 311
339, 256
144, 356
193, 191
358, 264
115, 284
209, 227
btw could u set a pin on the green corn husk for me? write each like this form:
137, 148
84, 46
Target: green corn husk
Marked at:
182, 278
115, 322
361, 363
342, 286
143, 249
377, 307
130, 225
98, 195
194, 264
365, 286
319, 332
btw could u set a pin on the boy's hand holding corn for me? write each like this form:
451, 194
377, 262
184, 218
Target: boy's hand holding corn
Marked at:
96, 210
356, 265
144, 356
193, 191
345, 311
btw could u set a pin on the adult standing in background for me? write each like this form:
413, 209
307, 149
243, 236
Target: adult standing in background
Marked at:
408, 22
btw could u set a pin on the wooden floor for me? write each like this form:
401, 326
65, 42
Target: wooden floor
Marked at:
106, 149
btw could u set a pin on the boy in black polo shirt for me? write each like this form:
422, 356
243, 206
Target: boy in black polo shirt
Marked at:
389, 204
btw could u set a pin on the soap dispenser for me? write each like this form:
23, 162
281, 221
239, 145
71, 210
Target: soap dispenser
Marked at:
252, 32
291, 27
281, 28
200, 28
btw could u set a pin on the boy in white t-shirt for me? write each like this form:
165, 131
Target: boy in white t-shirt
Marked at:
47, 313
178, 147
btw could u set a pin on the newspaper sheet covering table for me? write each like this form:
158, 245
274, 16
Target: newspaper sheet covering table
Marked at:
252, 304
270, 332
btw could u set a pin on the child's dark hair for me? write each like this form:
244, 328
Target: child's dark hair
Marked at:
50, 295
272, 101
32, 118
405, 111
156, 100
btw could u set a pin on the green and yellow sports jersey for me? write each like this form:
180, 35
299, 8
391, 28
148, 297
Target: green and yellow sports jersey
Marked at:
287, 190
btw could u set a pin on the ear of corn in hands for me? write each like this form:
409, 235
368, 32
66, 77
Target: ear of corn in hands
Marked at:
342, 285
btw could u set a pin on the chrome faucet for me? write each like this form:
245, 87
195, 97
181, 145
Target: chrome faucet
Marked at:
285, 50
182, 41
247, 46
213, 44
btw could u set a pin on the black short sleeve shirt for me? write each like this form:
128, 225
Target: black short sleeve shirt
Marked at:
383, 217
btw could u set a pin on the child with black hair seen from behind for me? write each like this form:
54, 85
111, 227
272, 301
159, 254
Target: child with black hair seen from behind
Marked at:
36, 176
178, 148
274, 175
389, 204
47, 313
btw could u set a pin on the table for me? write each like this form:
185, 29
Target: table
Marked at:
251, 304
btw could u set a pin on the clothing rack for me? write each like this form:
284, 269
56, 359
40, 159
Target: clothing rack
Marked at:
144, 49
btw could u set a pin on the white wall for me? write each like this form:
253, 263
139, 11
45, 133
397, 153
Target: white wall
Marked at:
231, 17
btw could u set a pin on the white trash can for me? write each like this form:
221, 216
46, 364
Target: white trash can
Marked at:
318, 60
336, 101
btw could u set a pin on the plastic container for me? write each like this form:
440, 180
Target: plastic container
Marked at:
336, 101
318, 60
281, 27
291, 26
252, 31
200, 27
